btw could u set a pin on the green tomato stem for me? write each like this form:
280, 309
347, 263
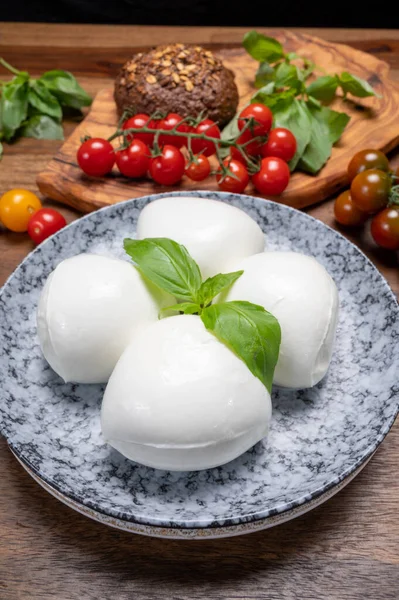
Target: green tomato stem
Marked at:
9, 67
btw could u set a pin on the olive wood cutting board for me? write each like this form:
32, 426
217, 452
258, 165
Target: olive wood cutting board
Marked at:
374, 124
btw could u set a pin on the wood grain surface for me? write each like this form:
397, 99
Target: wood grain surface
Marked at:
374, 124
347, 549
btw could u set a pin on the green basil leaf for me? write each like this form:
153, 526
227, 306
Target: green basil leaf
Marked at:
351, 84
188, 308
323, 88
64, 86
287, 76
43, 100
212, 286
313, 102
42, 127
262, 48
277, 101
264, 75
13, 105
318, 150
167, 264
231, 130
333, 122
251, 332
326, 128
264, 91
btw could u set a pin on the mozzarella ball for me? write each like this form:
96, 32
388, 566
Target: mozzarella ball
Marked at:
90, 308
179, 399
303, 297
216, 234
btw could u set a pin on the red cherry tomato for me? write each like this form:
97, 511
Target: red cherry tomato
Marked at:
138, 121
239, 182
200, 169
370, 190
273, 176
205, 147
261, 114
168, 168
346, 212
251, 148
96, 157
44, 223
170, 122
385, 228
135, 160
281, 143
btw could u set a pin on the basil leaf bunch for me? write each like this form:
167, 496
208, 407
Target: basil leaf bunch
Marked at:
298, 106
34, 107
251, 332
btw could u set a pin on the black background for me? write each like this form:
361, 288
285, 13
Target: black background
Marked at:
250, 13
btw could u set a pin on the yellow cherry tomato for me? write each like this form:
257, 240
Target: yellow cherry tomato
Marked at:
16, 208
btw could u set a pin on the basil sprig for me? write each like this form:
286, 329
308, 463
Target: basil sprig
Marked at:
251, 332
298, 106
34, 107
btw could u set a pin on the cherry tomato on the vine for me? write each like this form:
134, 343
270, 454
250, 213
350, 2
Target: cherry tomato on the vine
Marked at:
205, 147
170, 122
138, 121
135, 160
237, 183
281, 143
385, 228
273, 176
96, 157
199, 169
346, 212
370, 190
16, 208
44, 223
251, 148
365, 160
261, 114
168, 168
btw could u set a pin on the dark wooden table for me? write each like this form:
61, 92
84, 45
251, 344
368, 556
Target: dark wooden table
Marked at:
347, 549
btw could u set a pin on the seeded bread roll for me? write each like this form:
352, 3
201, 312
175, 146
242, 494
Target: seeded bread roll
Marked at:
177, 78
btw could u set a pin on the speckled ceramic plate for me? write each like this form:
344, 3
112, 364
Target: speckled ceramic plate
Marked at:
319, 438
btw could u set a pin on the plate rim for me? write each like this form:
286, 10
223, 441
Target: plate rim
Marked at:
230, 521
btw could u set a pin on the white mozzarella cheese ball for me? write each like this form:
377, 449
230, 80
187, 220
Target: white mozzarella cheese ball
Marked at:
90, 308
303, 297
216, 234
179, 399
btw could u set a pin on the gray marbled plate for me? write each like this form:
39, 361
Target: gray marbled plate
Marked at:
318, 437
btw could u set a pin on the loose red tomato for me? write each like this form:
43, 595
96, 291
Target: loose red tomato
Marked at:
273, 176
199, 169
365, 160
168, 168
205, 147
170, 122
138, 121
96, 157
16, 208
135, 160
370, 190
346, 212
44, 223
261, 114
385, 228
237, 183
281, 143
251, 148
